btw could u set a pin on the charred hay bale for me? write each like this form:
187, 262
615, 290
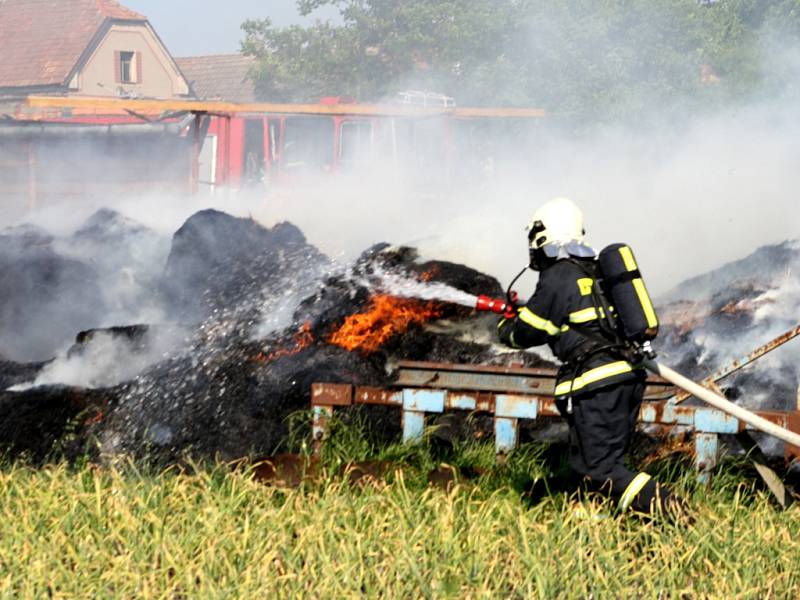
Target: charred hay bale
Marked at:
129, 258
227, 405
336, 299
14, 373
716, 318
49, 422
109, 228
217, 260
403, 259
45, 297
134, 336
461, 277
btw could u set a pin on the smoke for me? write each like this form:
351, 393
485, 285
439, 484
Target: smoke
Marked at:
687, 201
689, 191
691, 175
107, 360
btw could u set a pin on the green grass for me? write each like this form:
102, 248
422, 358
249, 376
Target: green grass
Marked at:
214, 532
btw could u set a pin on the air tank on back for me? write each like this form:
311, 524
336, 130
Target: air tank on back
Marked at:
625, 289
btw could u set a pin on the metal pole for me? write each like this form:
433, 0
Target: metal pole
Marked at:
33, 195
722, 404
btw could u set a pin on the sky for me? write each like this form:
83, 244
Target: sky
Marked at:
198, 27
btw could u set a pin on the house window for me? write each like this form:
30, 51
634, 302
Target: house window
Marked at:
126, 72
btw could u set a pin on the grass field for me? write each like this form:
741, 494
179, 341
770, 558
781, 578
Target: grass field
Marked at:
216, 532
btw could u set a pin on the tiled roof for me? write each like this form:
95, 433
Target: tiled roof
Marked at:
220, 77
41, 41
114, 10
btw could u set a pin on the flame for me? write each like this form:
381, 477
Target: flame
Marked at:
384, 318
302, 340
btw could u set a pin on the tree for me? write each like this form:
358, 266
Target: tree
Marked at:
587, 61
382, 46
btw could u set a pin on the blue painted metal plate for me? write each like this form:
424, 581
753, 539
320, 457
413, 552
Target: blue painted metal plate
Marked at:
479, 381
680, 415
431, 401
461, 402
413, 425
516, 407
709, 420
706, 447
505, 435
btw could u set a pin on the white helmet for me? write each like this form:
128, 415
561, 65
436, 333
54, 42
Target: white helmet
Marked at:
559, 222
555, 232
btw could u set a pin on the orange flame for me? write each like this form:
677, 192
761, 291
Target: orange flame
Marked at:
302, 340
384, 318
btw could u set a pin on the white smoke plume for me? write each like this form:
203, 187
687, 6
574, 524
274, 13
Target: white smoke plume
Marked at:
686, 202
687, 197
105, 360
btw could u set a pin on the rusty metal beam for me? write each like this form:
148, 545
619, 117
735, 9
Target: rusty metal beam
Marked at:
157, 107
468, 377
432, 388
498, 379
331, 394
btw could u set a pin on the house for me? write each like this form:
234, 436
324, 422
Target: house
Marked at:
224, 77
84, 48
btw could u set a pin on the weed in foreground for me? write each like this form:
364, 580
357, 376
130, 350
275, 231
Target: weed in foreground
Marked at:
214, 531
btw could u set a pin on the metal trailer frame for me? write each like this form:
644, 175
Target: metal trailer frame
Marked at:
511, 394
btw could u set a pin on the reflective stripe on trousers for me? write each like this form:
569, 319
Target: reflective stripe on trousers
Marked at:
633, 490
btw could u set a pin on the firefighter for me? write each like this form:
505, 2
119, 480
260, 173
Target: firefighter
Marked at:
598, 391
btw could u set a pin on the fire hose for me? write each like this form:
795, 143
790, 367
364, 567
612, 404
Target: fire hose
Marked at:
722, 404
485, 303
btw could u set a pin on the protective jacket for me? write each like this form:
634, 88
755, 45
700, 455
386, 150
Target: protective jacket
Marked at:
562, 314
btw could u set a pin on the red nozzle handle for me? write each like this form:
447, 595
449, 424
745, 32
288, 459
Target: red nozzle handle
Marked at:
487, 304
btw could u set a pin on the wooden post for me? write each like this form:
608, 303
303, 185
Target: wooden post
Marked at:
196, 147
33, 198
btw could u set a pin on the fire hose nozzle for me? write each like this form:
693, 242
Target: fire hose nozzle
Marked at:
486, 304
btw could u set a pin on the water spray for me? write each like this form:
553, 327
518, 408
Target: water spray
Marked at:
406, 287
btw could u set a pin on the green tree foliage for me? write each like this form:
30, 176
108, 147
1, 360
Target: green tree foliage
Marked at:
586, 60
380, 45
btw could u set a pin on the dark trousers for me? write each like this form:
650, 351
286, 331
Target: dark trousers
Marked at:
600, 427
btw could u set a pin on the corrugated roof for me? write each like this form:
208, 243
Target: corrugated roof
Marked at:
219, 77
41, 41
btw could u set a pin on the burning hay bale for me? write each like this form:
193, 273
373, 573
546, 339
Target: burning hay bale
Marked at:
268, 315
231, 394
227, 386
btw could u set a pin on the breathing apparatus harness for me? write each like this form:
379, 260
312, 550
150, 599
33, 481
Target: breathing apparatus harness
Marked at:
626, 334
